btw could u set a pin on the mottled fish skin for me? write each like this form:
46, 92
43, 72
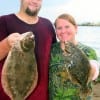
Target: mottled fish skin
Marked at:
19, 74
77, 68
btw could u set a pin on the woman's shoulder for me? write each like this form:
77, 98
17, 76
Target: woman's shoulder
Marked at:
55, 46
89, 51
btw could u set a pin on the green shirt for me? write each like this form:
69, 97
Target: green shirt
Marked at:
90, 52
66, 90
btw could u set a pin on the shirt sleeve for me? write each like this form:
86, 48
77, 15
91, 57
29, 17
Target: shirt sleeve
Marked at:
90, 52
3, 29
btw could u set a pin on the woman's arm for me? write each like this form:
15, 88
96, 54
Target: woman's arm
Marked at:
94, 69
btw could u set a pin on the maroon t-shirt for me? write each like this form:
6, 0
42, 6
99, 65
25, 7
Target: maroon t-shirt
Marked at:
44, 37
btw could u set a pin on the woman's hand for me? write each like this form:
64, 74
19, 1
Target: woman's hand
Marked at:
94, 69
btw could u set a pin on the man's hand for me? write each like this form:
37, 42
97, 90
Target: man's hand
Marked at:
12, 38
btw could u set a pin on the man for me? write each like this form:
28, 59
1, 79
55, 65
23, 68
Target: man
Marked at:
27, 19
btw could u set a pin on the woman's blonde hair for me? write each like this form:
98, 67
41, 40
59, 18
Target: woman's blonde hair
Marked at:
66, 17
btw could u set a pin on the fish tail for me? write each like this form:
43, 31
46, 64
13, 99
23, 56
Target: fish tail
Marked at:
18, 98
84, 92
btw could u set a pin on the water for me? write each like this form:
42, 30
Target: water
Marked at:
90, 35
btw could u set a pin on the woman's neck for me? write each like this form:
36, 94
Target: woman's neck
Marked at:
62, 45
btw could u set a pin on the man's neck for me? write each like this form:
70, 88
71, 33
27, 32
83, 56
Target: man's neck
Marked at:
27, 19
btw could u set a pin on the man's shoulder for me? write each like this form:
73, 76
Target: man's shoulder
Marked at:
45, 20
6, 17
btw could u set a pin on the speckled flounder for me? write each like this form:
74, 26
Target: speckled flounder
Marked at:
71, 64
78, 69
19, 73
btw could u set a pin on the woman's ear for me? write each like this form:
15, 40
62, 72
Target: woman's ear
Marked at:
76, 27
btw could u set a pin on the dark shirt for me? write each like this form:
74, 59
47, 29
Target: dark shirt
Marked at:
44, 37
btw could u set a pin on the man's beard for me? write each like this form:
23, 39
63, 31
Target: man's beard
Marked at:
32, 13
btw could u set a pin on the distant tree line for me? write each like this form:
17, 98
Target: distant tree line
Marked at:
89, 24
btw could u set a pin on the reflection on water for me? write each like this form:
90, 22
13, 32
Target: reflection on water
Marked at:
90, 35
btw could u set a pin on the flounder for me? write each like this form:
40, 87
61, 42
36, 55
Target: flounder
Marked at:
77, 68
69, 67
19, 74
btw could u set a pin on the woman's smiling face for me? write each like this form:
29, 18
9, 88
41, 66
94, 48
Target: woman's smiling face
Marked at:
65, 30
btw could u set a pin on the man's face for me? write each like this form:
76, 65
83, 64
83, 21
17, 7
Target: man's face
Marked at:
31, 7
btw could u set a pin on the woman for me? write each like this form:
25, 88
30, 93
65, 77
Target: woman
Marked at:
66, 29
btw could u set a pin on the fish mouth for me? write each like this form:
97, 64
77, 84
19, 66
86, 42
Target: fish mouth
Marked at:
29, 33
32, 36
27, 41
66, 50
